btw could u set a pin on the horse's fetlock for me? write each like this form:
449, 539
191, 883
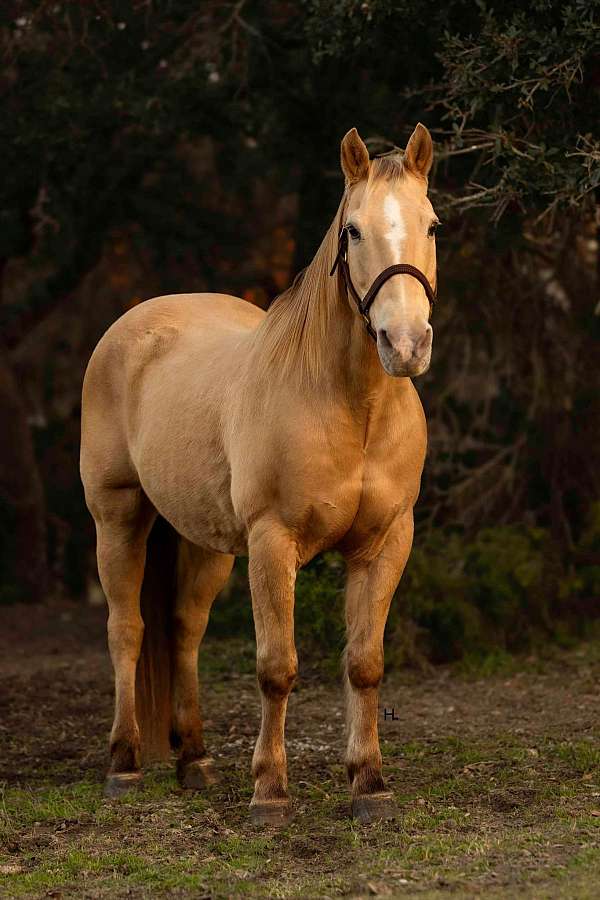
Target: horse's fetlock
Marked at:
365, 778
125, 754
270, 780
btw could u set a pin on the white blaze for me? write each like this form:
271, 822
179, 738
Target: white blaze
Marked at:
395, 236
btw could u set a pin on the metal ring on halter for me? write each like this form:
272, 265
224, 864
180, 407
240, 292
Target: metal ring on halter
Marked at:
365, 304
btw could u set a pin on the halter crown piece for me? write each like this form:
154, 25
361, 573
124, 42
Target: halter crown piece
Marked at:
365, 304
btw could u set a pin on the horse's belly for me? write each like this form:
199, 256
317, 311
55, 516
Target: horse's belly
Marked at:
202, 513
189, 483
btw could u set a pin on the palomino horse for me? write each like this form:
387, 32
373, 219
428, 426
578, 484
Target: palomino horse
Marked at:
276, 435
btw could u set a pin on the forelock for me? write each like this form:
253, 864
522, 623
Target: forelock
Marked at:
389, 167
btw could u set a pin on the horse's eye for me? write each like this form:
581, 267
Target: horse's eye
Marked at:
433, 228
353, 232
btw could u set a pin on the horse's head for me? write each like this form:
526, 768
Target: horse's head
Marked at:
389, 220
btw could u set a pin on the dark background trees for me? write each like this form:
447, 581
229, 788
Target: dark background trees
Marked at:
152, 148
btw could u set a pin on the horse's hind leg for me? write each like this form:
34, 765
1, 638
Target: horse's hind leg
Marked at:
123, 517
200, 576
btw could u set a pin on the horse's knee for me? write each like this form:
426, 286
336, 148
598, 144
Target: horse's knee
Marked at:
364, 668
276, 677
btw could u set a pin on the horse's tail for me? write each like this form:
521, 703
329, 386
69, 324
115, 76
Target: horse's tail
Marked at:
153, 682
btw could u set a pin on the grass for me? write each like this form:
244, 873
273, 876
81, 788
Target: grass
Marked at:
487, 806
457, 833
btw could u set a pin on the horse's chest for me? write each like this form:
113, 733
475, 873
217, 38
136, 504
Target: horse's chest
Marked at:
389, 489
318, 494
339, 493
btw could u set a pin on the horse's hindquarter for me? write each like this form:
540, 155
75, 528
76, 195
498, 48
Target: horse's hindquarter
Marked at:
171, 365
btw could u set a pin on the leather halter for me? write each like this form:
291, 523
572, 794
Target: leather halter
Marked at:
365, 304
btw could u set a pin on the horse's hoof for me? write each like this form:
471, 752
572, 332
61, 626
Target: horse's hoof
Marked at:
119, 783
367, 808
198, 774
271, 812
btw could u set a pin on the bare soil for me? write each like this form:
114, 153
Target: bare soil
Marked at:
497, 781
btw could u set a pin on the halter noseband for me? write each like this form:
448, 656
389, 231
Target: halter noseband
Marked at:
365, 304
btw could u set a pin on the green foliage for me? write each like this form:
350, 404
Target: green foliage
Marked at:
475, 596
319, 614
514, 85
583, 578
499, 592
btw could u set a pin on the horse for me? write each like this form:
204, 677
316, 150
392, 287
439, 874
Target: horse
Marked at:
212, 429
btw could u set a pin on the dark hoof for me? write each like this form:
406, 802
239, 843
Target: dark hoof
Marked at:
198, 774
119, 783
271, 812
368, 808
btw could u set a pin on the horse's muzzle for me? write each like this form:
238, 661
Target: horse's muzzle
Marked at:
404, 353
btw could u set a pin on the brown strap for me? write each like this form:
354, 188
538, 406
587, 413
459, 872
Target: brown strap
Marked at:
365, 304
398, 269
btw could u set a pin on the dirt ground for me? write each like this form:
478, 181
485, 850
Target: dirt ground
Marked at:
497, 781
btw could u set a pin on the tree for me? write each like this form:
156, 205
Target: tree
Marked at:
109, 106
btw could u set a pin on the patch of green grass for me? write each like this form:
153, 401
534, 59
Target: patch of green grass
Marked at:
243, 852
485, 665
25, 807
321, 855
581, 756
120, 868
589, 857
328, 885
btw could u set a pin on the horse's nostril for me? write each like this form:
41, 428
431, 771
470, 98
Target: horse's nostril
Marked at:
384, 338
425, 340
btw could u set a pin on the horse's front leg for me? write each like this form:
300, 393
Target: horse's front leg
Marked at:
272, 569
369, 592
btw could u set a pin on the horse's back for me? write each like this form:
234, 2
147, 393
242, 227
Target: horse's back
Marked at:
150, 330
215, 312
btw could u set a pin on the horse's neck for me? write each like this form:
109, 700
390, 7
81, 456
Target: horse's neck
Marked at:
352, 367
311, 336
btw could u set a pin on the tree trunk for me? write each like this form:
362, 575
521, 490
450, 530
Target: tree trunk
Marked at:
23, 562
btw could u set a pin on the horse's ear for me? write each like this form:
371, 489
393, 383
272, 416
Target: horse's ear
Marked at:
418, 155
355, 157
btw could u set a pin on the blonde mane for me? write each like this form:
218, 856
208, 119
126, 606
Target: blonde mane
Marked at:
292, 335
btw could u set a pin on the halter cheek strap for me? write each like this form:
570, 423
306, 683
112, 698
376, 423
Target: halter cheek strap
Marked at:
365, 304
